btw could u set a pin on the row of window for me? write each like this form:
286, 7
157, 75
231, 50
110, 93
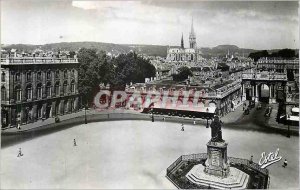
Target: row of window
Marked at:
39, 91
66, 106
39, 75
178, 57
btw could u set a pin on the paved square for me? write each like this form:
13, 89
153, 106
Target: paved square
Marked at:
131, 154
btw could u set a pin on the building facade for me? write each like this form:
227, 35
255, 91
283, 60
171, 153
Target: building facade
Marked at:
37, 88
278, 65
223, 99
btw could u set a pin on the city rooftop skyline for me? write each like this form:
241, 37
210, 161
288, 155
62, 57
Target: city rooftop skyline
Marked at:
256, 25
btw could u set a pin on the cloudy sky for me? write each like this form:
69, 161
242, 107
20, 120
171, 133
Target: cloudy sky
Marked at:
259, 25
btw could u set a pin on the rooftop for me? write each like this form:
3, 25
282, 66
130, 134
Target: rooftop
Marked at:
36, 60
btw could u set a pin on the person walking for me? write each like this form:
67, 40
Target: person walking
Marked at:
284, 163
75, 143
18, 126
251, 159
164, 118
20, 152
182, 127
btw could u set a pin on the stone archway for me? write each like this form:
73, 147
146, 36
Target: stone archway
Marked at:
263, 93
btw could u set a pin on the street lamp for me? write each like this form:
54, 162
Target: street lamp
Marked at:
152, 115
207, 110
288, 132
207, 122
85, 119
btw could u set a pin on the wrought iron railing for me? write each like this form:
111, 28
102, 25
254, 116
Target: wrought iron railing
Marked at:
232, 160
37, 60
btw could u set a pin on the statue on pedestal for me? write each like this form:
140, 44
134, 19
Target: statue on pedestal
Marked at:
216, 130
217, 163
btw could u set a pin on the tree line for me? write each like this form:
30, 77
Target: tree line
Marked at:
95, 68
284, 53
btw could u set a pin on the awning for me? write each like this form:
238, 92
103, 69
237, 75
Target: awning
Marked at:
295, 110
293, 118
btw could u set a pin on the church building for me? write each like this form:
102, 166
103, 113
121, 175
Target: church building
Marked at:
182, 54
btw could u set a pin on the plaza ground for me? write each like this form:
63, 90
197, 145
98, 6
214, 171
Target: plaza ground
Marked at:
132, 154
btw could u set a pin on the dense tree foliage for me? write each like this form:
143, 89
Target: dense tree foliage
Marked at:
223, 67
257, 55
96, 68
284, 53
183, 73
131, 68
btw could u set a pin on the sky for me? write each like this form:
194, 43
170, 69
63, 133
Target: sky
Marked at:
252, 24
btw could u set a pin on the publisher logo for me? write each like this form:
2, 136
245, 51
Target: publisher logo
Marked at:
268, 159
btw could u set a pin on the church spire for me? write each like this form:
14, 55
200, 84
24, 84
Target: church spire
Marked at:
192, 36
182, 44
192, 27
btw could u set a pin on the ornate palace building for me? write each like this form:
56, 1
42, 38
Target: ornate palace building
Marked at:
182, 54
37, 88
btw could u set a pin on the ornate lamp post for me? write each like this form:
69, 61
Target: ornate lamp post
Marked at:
152, 115
288, 132
85, 119
207, 110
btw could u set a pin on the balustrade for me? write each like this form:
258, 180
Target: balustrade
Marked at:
36, 60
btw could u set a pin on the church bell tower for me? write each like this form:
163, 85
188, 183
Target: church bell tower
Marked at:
192, 37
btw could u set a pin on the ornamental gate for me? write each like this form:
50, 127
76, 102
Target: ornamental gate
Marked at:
264, 86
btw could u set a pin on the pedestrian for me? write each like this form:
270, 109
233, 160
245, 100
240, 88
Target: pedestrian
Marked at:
182, 127
152, 116
164, 118
251, 159
284, 163
75, 143
20, 152
194, 122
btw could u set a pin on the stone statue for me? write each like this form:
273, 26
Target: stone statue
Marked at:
216, 131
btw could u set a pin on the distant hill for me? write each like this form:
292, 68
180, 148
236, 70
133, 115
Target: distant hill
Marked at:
151, 50
222, 50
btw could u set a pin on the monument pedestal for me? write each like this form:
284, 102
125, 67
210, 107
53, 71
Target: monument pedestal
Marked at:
217, 163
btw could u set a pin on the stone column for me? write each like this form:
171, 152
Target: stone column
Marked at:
270, 93
252, 92
53, 109
9, 117
44, 110
243, 92
22, 117
34, 113
256, 92
23, 86
76, 103
34, 85
62, 107
274, 92
13, 117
